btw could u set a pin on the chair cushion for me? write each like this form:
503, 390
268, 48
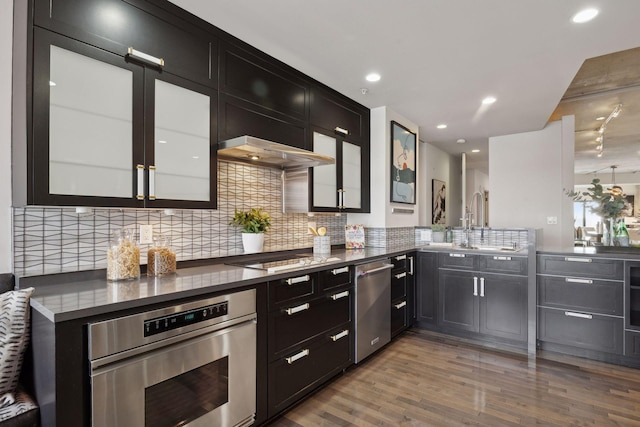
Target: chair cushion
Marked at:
14, 337
23, 411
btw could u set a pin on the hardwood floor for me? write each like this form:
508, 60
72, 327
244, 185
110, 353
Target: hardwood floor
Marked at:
422, 379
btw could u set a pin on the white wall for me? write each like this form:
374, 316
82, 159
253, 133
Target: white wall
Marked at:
381, 215
528, 173
6, 38
437, 164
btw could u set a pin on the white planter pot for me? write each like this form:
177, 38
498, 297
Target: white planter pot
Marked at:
252, 242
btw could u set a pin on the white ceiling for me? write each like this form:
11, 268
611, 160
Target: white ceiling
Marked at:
438, 58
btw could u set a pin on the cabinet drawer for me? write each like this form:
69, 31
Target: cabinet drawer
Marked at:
398, 316
632, 344
399, 262
302, 321
581, 266
284, 291
398, 284
573, 293
331, 112
503, 264
300, 371
582, 330
458, 260
336, 277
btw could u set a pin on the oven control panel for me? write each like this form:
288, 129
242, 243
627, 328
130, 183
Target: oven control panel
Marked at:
185, 318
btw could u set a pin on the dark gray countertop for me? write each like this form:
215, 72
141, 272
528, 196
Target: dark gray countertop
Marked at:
78, 295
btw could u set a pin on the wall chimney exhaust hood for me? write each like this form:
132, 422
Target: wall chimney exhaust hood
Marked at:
260, 152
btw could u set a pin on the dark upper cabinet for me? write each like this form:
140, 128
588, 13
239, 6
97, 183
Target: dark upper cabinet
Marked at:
346, 118
239, 117
111, 132
258, 80
117, 25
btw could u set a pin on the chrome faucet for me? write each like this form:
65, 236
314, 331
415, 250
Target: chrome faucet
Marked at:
468, 220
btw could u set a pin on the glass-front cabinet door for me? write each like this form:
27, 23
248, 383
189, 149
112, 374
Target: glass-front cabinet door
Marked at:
108, 131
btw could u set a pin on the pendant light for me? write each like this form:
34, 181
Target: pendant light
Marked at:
615, 190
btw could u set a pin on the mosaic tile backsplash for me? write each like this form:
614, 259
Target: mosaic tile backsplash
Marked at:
51, 240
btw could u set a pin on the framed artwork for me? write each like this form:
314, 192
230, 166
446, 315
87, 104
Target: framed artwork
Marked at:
438, 208
403, 164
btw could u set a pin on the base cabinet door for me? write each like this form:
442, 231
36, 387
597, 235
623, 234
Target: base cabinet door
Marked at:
458, 300
503, 302
427, 287
632, 344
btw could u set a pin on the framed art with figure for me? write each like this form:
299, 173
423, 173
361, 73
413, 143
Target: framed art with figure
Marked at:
403, 164
439, 211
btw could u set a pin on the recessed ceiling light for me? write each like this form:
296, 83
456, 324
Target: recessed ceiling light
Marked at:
195, 157
162, 141
373, 77
489, 100
475, 151
52, 83
584, 16
461, 141
600, 118
442, 126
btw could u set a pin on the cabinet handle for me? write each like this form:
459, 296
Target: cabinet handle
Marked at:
341, 198
140, 169
402, 304
456, 255
482, 286
298, 356
411, 265
299, 279
576, 259
145, 57
475, 286
341, 130
580, 315
401, 275
337, 271
502, 258
340, 295
342, 334
401, 257
152, 182
297, 309
574, 280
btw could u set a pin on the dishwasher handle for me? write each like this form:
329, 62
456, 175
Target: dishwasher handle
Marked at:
375, 270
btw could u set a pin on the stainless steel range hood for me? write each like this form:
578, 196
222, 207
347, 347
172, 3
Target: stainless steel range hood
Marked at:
260, 152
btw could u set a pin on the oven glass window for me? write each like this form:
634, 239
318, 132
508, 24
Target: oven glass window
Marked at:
182, 399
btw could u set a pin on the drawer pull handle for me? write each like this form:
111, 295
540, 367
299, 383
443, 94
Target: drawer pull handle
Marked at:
580, 315
337, 271
342, 334
340, 295
341, 130
573, 280
402, 304
145, 56
297, 309
502, 258
576, 259
401, 257
298, 356
475, 286
482, 286
457, 255
401, 275
295, 280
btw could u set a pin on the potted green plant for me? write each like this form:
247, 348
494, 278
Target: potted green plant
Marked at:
253, 223
437, 233
609, 204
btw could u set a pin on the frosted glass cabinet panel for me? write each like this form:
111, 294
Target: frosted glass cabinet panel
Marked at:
181, 144
90, 126
351, 176
325, 178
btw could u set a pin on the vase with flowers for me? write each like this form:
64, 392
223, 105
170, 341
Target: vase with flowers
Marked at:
609, 205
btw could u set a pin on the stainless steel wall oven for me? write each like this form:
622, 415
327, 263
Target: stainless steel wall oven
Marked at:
188, 365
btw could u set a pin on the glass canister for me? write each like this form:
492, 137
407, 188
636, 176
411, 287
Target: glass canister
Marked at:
161, 260
123, 256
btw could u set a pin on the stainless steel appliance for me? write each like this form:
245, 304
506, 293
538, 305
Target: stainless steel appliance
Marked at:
373, 307
188, 365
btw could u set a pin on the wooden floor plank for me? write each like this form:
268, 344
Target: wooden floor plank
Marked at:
425, 379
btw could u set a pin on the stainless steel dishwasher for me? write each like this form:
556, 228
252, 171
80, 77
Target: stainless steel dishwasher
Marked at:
373, 307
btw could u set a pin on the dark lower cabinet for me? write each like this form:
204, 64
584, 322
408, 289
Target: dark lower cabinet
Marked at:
426, 284
402, 293
459, 303
632, 344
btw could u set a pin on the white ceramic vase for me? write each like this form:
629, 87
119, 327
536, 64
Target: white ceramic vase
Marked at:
252, 242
